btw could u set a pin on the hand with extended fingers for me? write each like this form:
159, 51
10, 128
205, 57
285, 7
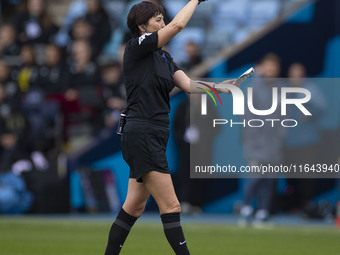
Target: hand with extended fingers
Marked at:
219, 86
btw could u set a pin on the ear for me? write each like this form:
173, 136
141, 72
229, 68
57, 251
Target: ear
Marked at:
142, 28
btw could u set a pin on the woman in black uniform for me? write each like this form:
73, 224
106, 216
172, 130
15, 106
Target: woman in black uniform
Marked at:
150, 74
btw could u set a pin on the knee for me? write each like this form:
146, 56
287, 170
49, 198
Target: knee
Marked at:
134, 210
172, 207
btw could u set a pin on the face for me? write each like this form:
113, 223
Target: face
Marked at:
52, 55
81, 52
36, 7
82, 30
8, 141
270, 69
93, 6
296, 71
192, 50
27, 55
154, 24
7, 35
4, 71
111, 75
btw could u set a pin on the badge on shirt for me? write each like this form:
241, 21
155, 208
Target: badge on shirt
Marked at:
142, 38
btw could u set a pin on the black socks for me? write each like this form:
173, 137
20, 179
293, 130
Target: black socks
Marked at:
119, 232
174, 233
124, 222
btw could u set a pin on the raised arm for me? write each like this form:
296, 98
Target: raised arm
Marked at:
177, 24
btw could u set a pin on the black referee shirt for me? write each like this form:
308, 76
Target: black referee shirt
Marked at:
148, 74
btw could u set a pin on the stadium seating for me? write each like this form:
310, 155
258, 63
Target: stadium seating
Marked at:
232, 20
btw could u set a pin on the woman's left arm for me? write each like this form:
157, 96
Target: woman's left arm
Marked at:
183, 82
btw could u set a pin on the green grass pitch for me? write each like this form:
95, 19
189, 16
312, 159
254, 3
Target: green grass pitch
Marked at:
70, 236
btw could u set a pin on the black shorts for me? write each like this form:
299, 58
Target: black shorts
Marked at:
143, 147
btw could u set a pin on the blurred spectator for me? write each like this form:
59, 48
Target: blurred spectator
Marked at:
99, 19
262, 145
9, 107
53, 75
83, 90
35, 24
41, 116
8, 45
86, 20
303, 141
83, 30
83, 71
308, 132
76, 10
28, 71
5, 103
14, 131
113, 92
194, 56
12, 90
8, 104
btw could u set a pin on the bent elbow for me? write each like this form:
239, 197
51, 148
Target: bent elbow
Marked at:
178, 26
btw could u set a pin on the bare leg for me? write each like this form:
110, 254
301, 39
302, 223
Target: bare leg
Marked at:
161, 188
136, 198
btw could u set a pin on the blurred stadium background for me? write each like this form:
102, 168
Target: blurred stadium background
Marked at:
62, 91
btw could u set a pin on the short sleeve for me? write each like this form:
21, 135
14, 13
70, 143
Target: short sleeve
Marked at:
177, 68
141, 46
173, 63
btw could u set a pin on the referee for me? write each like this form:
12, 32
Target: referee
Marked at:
150, 74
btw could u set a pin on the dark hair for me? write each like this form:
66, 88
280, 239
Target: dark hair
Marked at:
108, 65
271, 57
140, 14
